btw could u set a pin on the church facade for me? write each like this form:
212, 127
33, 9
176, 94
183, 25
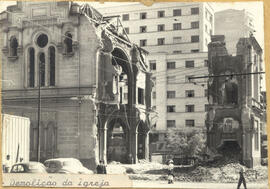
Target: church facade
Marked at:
236, 114
94, 84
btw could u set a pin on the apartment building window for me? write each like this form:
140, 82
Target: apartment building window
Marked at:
177, 12
211, 32
206, 107
161, 27
161, 41
177, 26
126, 30
194, 25
195, 39
170, 65
143, 43
177, 52
195, 50
189, 63
255, 59
153, 66
205, 63
161, 14
206, 92
190, 123
211, 19
195, 10
188, 78
140, 96
190, 108
190, 93
154, 95
206, 29
170, 94
177, 40
143, 15
154, 79
125, 17
171, 79
143, 29
171, 108
171, 124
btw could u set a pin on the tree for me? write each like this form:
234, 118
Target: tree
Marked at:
186, 143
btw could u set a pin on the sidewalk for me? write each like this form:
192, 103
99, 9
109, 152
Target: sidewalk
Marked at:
198, 185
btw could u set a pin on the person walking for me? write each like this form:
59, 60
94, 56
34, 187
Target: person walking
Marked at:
7, 165
101, 168
170, 172
241, 178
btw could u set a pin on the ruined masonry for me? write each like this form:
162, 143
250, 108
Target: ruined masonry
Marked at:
235, 116
95, 84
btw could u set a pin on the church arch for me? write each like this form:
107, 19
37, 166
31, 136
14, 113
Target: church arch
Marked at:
117, 140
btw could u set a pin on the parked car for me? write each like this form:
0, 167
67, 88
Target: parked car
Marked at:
66, 165
28, 167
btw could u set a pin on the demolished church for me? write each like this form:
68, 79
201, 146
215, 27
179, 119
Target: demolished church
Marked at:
235, 116
94, 84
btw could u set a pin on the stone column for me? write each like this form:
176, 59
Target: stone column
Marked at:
146, 147
103, 144
20, 40
5, 40
133, 139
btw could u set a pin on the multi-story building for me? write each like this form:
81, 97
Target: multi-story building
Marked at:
234, 24
176, 36
81, 70
236, 113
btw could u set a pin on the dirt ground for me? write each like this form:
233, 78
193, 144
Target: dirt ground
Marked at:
228, 173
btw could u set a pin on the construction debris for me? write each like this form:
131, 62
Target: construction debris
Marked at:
228, 173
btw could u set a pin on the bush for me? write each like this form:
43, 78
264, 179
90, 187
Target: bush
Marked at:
187, 143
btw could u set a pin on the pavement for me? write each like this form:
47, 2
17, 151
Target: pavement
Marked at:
198, 185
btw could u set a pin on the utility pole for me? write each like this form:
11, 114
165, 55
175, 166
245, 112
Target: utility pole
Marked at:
39, 110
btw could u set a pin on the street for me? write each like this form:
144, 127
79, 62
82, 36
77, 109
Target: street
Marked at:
164, 184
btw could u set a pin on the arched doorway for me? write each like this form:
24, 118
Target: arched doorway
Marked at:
117, 141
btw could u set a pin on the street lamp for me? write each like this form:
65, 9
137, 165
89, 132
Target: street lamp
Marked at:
41, 63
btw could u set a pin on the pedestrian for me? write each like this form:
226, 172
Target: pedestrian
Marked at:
170, 172
101, 168
241, 178
7, 165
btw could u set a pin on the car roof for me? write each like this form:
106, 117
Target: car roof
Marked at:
63, 159
29, 163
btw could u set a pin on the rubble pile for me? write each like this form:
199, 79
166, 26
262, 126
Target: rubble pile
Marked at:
220, 172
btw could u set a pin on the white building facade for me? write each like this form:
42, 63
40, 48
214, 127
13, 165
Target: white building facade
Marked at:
176, 36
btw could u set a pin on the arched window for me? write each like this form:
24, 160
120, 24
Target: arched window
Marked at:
52, 65
31, 77
13, 46
68, 43
42, 69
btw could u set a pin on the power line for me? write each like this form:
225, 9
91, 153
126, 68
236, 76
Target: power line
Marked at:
225, 75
